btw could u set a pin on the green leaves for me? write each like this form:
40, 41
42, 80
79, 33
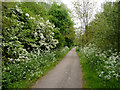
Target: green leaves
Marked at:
29, 40
60, 18
33, 67
31, 32
104, 66
103, 30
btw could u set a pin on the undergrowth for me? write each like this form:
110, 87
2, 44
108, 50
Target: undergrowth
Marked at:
24, 74
100, 70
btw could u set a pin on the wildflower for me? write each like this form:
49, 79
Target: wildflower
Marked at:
102, 72
10, 59
27, 14
100, 75
35, 33
32, 18
47, 21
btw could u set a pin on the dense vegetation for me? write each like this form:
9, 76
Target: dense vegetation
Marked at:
104, 31
32, 41
99, 69
36, 36
60, 17
100, 55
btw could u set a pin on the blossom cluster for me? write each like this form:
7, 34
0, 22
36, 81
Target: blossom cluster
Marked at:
33, 67
105, 65
26, 35
27, 46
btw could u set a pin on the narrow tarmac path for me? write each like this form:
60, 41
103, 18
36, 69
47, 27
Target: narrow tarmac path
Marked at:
67, 74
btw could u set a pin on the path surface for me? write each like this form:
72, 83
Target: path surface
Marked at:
67, 74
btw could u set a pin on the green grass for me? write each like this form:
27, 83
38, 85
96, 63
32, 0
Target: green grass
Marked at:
90, 77
26, 83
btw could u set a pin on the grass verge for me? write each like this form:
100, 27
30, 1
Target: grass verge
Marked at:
90, 76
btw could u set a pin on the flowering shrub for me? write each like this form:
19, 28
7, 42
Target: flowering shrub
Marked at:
29, 43
27, 34
28, 46
105, 65
33, 67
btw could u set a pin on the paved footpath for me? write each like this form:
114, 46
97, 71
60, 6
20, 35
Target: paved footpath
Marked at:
67, 74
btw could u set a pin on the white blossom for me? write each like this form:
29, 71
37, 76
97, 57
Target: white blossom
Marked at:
27, 14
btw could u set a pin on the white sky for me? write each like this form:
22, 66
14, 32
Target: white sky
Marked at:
97, 6
70, 6
69, 2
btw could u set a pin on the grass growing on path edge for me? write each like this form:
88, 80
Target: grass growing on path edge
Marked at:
52, 66
90, 77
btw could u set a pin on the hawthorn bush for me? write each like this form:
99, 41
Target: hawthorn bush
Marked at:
26, 34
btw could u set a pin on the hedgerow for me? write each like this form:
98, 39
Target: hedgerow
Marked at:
28, 44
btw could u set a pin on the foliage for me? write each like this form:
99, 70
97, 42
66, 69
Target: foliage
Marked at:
104, 67
29, 43
35, 9
59, 16
35, 67
100, 55
26, 34
108, 36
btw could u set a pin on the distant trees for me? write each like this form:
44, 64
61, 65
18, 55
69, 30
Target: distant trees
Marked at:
104, 30
84, 12
59, 16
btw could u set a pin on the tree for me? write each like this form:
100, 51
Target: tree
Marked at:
59, 16
83, 10
106, 37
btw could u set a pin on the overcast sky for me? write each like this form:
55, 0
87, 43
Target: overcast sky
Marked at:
69, 2
70, 6
97, 7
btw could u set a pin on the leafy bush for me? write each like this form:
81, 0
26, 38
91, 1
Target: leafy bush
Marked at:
27, 34
108, 36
